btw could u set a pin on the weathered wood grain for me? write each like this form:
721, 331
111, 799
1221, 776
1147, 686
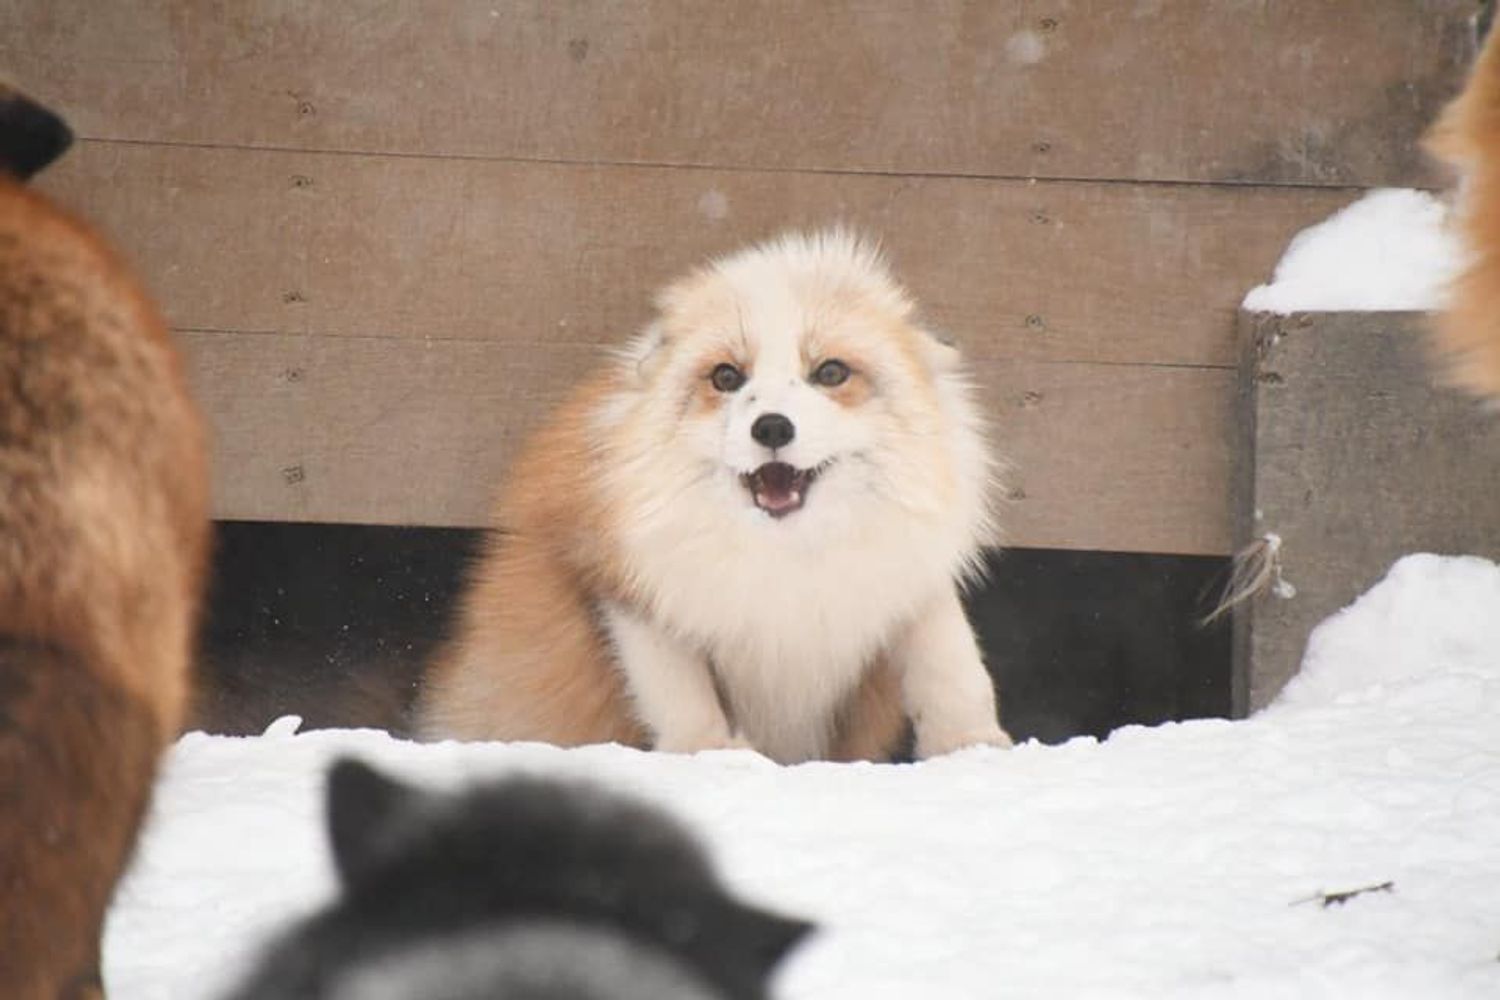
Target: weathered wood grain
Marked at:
548, 253
436, 213
1354, 458
1312, 92
403, 431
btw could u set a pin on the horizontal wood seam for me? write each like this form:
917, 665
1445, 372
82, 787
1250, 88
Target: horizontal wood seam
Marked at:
739, 169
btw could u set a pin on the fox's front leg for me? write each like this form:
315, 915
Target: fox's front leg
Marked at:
944, 685
671, 686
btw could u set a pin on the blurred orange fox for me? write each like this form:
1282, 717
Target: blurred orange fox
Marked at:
1468, 136
103, 538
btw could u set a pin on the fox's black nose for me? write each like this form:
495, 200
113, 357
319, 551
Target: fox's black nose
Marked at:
773, 430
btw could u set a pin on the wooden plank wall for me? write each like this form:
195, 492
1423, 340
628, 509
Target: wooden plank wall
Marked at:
391, 235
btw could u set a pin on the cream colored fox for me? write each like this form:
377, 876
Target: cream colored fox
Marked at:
748, 530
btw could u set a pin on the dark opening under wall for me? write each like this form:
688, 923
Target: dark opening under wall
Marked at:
334, 622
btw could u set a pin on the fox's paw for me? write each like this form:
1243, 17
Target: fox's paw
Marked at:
936, 744
697, 743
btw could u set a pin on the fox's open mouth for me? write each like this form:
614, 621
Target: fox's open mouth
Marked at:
779, 488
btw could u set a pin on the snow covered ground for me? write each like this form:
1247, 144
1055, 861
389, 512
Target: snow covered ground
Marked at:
1177, 861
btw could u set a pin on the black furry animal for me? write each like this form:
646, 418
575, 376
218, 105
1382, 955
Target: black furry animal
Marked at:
520, 889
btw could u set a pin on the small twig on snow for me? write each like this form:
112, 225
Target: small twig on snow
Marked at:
1340, 898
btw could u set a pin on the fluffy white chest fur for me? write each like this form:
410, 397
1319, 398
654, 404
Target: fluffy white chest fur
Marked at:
788, 616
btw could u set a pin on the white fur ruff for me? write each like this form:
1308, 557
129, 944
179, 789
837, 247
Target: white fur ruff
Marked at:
788, 612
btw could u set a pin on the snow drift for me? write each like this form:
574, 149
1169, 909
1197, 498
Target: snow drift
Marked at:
1185, 860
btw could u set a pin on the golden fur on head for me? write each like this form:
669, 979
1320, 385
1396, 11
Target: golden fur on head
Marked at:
672, 576
103, 541
1468, 136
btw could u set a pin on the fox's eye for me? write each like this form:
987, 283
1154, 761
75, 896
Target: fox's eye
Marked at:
831, 373
726, 377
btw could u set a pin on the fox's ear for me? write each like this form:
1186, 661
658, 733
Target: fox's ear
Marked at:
769, 937
644, 351
30, 136
363, 808
940, 351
